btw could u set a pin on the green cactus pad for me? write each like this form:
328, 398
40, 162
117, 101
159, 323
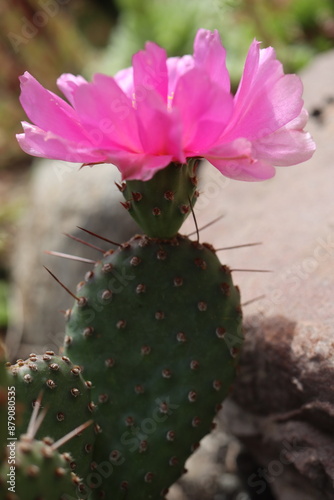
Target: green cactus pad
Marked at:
67, 398
37, 473
7, 402
155, 328
161, 205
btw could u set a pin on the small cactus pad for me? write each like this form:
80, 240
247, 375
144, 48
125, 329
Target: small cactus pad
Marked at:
35, 471
161, 205
155, 328
7, 402
66, 397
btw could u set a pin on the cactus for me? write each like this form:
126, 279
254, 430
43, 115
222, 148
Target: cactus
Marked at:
40, 472
67, 398
35, 469
7, 400
148, 329
161, 205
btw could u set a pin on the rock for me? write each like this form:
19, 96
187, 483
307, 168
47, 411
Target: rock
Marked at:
211, 470
283, 406
61, 198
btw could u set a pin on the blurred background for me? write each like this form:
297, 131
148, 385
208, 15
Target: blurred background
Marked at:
50, 37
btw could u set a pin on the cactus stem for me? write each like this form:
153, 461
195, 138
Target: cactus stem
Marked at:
78, 299
99, 236
71, 257
239, 246
79, 240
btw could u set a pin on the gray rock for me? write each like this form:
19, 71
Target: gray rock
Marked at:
61, 197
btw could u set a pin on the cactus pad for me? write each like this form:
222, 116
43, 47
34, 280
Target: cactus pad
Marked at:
66, 397
38, 473
155, 328
161, 205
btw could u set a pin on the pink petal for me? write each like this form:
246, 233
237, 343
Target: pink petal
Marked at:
67, 83
299, 122
285, 147
124, 78
239, 148
138, 166
266, 99
245, 169
210, 57
150, 71
37, 142
107, 114
205, 110
178, 66
48, 111
235, 160
160, 130
261, 65
275, 108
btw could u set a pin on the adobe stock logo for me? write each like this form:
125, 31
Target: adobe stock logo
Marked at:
30, 28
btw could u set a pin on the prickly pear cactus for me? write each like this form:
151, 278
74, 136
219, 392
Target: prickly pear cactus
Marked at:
66, 398
161, 205
155, 328
7, 401
38, 472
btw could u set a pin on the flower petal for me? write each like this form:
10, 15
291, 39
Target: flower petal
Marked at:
107, 114
124, 79
210, 57
138, 166
67, 83
266, 99
205, 109
150, 71
160, 130
285, 147
37, 142
177, 66
235, 160
48, 111
245, 169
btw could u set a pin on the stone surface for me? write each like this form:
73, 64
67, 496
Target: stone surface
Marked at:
282, 407
61, 198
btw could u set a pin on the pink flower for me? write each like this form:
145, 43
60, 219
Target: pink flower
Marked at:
167, 110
